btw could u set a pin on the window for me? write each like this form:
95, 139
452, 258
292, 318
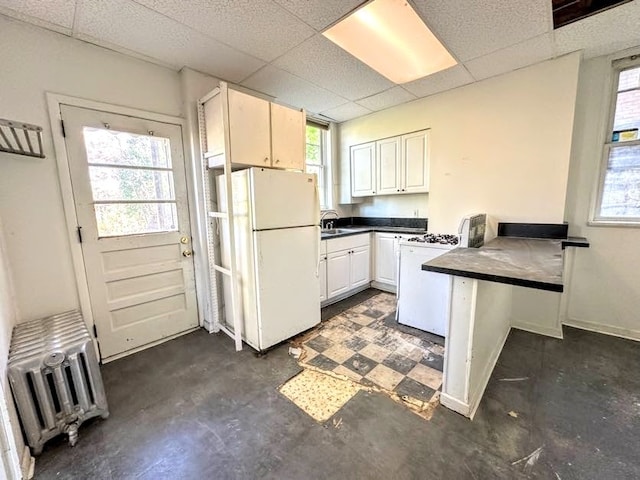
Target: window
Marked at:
317, 159
131, 181
619, 192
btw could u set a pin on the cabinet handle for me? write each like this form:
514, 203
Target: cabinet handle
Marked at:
398, 190
266, 159
278, 161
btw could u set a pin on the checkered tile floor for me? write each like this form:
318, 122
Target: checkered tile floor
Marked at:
366, 345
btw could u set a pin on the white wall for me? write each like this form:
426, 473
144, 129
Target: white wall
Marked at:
11, 441
500, 146
604, 294
479, 323
36, 61
401, 206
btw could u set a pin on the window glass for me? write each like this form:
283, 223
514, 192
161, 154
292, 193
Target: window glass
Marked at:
317, 159
619, 198
131, 182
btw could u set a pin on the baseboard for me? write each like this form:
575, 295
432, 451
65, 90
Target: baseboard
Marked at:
454, 404
604, 329
476, 397
385, 287
540, 330
341, 297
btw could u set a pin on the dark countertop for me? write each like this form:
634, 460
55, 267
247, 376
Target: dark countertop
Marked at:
358, 229
526, 262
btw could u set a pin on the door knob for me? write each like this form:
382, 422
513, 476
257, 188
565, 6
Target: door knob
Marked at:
187, 253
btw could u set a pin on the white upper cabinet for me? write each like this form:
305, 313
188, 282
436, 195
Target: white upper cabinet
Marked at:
260, 133
363, 170
393, 165
249, 129
415, 162
287, 137
388, 159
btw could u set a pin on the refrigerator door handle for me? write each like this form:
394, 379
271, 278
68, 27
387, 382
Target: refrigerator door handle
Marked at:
318, 241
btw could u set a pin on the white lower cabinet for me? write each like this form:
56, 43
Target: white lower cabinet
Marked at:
385, 266
360, 271
338, 273
348, 264
387, 251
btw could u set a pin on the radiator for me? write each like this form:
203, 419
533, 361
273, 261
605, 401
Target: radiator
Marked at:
55, 378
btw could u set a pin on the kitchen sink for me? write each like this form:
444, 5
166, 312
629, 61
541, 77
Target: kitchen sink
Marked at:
336, 231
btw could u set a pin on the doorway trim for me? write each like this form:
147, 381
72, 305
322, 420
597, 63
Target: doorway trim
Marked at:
54, 101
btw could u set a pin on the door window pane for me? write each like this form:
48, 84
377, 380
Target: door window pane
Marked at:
112, 183
124, 148
115, 219
131, 182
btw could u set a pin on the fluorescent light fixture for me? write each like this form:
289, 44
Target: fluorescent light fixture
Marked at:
390, 37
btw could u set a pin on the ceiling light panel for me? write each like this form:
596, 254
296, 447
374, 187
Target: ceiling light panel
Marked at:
390, 37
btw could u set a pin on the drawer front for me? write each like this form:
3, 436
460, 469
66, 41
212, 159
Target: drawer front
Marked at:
345, 243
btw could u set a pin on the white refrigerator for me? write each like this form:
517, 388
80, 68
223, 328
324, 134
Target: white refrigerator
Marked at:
276, 217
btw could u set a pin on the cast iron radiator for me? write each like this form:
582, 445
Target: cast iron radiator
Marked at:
55, 377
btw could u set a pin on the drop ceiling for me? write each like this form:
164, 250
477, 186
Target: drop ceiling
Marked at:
276, 47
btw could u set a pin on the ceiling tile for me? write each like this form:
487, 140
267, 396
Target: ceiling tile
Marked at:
439, 82
511, 58
127, 24
380, 101
323, 63
294, 91
320, 14
259, 27
607, 32
472, 28
346, 112
57, 12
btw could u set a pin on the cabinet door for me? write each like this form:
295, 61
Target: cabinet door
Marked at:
287, 137
360, 267
338, 269
385, 254
363, 167
415, 162
322, 277
249, 129
388, 156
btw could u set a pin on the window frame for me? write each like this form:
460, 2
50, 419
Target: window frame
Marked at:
325, 161
596, 219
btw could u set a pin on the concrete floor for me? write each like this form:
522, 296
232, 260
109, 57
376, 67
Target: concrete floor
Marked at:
193, 408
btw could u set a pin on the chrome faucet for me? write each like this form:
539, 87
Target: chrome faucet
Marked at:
325, 213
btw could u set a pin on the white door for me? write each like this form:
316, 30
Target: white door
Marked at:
129, 187
249, 117
280, 199
360, 267
415, 162
385, 254
338, 273
288, 139
287, 286
388, 166
363, 166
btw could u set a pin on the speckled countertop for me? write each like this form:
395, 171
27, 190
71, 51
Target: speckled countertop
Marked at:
358, 229
526, 262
